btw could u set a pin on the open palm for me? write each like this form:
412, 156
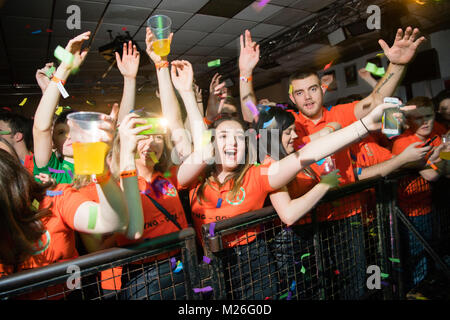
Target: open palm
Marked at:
249, 55
129, 63
74, 47
405, 46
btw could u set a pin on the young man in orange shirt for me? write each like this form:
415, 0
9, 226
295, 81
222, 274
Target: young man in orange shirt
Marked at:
306, 93
414, 192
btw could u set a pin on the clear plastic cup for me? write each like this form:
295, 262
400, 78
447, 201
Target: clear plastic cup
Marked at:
89, 151
329, 165
445, 152
160, 26
159, 124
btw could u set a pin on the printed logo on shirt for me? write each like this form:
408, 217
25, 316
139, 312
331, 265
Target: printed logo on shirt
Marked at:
40, 247
369, 151
238, 199
162, 186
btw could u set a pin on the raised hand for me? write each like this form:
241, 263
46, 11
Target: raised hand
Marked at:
129, 63
249, 54
129, 133
74, 47
373, 120
405, 46
41, 76
149, 39
182, 75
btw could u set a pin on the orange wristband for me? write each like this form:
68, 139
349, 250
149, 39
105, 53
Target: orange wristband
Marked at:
101, 178
246, 79
128, 174
207, 122
162, 64
55, 79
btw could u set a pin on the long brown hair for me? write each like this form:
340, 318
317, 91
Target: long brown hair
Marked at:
20, 225
237, 177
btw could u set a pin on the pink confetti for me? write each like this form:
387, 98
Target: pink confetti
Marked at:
124, 28
252, 108
262, 3
206, 259
205, 289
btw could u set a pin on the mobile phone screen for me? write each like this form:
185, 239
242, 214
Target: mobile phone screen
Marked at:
389, 122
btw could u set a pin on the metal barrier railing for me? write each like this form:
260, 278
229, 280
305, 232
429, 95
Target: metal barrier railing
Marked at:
320, 259
117, 273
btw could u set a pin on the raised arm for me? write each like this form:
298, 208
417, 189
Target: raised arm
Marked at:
128, 66
248, 59
110, 213
324, 146
291, 210
41, 76
43, 118
169, 103
400, 54
216, 98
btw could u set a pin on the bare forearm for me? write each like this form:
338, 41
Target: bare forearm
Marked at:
247, 94
381, 169
128, 98
195, 118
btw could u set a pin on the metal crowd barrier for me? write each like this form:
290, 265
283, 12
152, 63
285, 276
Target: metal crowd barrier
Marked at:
319, 259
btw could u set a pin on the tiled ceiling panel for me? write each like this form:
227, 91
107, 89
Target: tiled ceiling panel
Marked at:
255, 13
224, 8
235, 26
202, 22
183, 5
287, 17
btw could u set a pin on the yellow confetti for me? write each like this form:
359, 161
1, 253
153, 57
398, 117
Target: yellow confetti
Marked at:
290, 89
35, 205
380, 55
23, 102
58, 111
89, 103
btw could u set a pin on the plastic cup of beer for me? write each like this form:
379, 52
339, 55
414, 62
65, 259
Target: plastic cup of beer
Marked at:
445, 152
160, 27
159, 124
89, 151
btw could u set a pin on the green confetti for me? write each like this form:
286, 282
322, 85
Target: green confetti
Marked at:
284, 295
50, 72
305, 255
214, 63
256, 164
395, 260
167, 174
371, 67
93, 212
303, 270
384, 275
5, 132
380, 72
64, 55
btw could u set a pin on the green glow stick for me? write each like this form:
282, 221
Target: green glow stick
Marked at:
50, 72
214, 63
395, 260
384, 275
380, 72
93, 212
63, 55
284, 295
305, 255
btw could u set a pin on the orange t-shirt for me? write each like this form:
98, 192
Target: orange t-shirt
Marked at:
254, 190
344, 115
368, 152
414, 193
58, 242
29, 163
440, 128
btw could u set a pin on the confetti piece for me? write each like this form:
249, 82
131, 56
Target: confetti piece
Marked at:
93, 213
303, 270
380, 54
70, 173
262, 3
205, 289
293, 285
23, 102
5, 132
49, 30
35, 205
320, 162
214, 63
359, 171
256, 164
267, 298
380, 72
206, 137
421, 298
364, 158
55, 171
394, 260
59, 110
173, 262
252, 108
219, 203
154, 158
284, 295
289, 297
371, 67
206, 259
211, 229
63, 55
336, 272
305, 255
90, 103
53, 193
7, 108
328, 66
384, 275
268, 123
179, 267
62, 90
420, 2
290, 89
124, 28
36, 32
50, 72
167, 174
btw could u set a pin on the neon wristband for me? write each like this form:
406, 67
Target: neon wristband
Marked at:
100, 179
246, 79
162, 64
128, 174
56, 80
